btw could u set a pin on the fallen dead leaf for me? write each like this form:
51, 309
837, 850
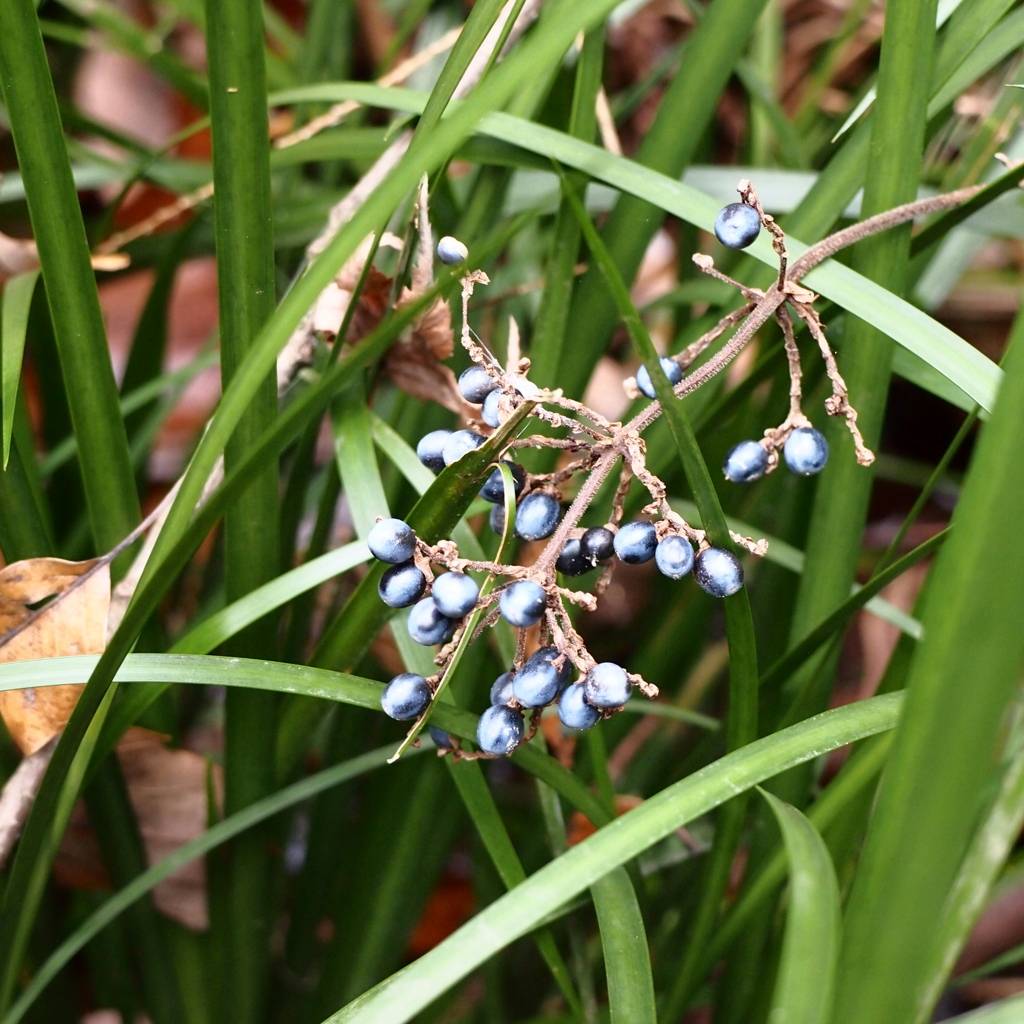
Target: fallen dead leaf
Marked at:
73, 622
168, 790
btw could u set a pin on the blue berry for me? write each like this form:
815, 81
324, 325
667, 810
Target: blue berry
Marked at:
462, 442
501, 688
635, 542
494, 488
451, 252
737, 225
607, 686
718, 572
441, 738
497, 519
499, 730
455, 594
674, 557
574, 711
402, 585
427, 625
806, 451
430, 449
476, 384
745, 462
391, 540
491, 414
522, 603
672, 369
406, 696
549, 655
537, 516
597, 544
536, 684
571, 561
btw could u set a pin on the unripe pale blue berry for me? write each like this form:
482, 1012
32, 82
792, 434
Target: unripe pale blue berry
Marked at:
405, 697
635, 542
574, 711
491, 414
462, 442
451, 252
476, 384
537, 516
493, 489
391, 540
806, 451
672, 370
499, 730
522, 603
402, 585
745, 462
455, 594
501, 688
571, 561
441, 738
536, 684
552, 655
674, 557
496, 519
430, 449
737, 225
607, 686
597, 544
718, 572
427, 625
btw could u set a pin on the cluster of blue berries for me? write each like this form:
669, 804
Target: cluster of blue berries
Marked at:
717, 571
805, 452
444, 606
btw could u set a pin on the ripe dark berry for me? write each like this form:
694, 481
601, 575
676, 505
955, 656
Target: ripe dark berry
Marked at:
427, 625
718, 572
501, 688
451, 252
391, 540
674, 557
806, 451
522, 603
497, 519
574, 711
405, 697
462, 442
499, 730
455, 594
672, 369
571, 561
476, 384
491, 414
607, 686
598, 544
737, 225
430, 449
551, 655
402, 585
635, 542
536, 684
537, 516
441, 738
745, 462
494, 488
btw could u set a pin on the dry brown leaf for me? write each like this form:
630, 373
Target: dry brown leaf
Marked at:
168, 790
18, 255
74, 622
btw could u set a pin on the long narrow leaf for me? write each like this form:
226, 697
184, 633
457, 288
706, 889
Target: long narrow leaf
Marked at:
803, 990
